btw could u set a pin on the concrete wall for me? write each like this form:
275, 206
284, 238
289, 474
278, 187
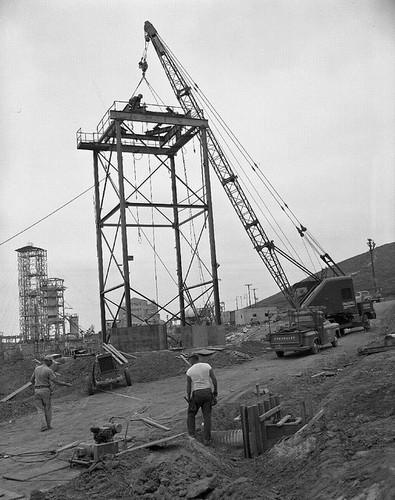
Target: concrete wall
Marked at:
139, 338
202, 335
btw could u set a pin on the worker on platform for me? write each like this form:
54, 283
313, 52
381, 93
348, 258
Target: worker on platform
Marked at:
202, 392
134, 102
42, 379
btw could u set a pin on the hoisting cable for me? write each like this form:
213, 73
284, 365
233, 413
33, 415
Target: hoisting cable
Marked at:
192, 233
272, 190
287, 211
136, 197
153, 232
241, 149
134, 218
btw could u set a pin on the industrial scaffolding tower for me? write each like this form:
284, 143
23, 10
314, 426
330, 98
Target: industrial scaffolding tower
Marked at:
144, 183
41, 301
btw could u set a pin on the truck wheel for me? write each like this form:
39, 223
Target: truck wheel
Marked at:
366, 322
314, 348
91, 385
128, 378
280, 354
335, 342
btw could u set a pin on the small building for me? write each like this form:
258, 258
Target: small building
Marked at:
249, 315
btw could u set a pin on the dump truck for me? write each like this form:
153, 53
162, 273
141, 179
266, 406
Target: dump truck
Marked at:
306, 330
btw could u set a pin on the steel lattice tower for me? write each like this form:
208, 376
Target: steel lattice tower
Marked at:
132, 198
32, 274
41, 303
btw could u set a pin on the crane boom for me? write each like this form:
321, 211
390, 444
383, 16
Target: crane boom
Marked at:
218, 160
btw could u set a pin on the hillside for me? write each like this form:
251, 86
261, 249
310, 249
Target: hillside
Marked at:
360, 268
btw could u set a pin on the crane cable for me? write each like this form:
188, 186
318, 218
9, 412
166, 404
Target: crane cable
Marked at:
153, 232
283, 205
192, 232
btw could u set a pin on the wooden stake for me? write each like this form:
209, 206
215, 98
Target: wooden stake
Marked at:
263, 426
252, 437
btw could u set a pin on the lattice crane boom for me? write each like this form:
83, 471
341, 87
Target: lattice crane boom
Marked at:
222, 167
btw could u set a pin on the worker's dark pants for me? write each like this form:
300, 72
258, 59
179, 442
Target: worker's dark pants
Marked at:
200, 399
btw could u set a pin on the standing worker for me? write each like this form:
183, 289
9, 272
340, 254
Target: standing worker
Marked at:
42, 378
200, 377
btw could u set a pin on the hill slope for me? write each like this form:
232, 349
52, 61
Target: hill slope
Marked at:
360, 268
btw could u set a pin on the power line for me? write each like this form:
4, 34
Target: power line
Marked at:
47, 216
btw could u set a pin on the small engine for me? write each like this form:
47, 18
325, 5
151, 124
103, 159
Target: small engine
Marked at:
106, 433
105, 444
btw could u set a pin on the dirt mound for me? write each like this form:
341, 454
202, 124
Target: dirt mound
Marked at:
147, 367
185, 470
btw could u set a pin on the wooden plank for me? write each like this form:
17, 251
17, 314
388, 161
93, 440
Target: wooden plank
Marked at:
310, 423
244, 426
283, 420
318, 374
252, 432
258, 432
277, 401
117, 355
151, 443
269, 413
184, 359
118, 360
128, 355
152, 422
262, 423
10, 396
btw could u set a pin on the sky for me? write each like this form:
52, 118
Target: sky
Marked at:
307, 86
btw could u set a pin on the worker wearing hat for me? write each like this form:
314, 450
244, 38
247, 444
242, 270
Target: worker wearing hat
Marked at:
201, 393
42, 379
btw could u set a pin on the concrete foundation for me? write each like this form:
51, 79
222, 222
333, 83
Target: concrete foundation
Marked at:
139, 338
202, 335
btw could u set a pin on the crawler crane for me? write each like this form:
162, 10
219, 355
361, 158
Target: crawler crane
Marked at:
335, 294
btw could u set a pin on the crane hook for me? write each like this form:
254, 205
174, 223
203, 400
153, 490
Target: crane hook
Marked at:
143, 65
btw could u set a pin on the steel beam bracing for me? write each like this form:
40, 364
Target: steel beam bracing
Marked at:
218, 160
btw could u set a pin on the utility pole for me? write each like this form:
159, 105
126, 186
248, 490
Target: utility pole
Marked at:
255, 297
249, 296
237, 302
372, 246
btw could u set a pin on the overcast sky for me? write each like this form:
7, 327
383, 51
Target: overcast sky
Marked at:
308, 87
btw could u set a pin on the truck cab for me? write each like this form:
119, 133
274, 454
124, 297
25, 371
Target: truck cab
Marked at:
306, 330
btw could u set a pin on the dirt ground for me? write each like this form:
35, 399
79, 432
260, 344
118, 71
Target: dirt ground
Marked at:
347, 455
